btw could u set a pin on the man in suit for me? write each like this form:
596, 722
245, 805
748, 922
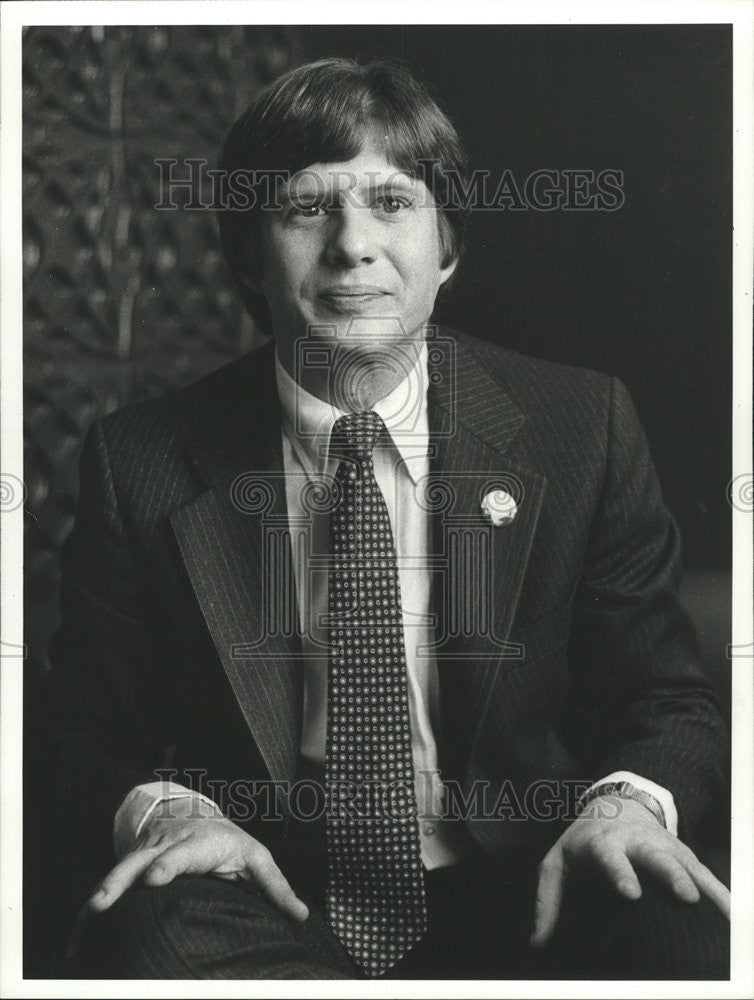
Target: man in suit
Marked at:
508, 625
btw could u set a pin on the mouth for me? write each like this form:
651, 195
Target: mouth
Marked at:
351, 298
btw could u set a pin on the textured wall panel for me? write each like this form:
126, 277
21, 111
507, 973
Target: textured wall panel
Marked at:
121, 301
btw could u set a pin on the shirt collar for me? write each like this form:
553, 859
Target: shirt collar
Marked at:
308, 420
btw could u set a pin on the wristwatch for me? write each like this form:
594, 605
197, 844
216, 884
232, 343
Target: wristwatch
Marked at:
624, 790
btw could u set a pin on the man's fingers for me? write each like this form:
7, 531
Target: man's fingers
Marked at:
190, 858
270, 880
552, 875
221, 850
122, 877
685, 876
710, 886
668, 870
614, 864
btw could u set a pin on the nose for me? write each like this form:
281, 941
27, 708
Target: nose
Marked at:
353, 237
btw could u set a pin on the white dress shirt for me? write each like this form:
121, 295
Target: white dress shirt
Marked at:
401, 464
401, 461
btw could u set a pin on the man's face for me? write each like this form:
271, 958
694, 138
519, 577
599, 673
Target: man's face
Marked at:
355, 250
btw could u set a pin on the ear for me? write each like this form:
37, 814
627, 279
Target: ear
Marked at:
445, 240
447, 271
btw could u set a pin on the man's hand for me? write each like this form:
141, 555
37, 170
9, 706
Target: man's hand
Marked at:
190, 845
613, 836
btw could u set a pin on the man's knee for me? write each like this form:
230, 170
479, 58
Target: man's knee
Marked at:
682, 940
197, 928
657, 936
133, 938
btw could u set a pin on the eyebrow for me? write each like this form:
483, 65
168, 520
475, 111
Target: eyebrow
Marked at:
306, 187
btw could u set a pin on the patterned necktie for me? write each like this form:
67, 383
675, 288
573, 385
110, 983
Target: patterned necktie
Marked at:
375, 897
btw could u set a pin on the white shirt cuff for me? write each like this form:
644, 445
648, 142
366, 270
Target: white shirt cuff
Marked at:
139, 805
663, 796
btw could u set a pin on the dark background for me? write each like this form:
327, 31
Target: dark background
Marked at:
122, 302
644, 292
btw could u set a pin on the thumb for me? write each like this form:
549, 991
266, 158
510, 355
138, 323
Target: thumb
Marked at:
263, 872
552, 874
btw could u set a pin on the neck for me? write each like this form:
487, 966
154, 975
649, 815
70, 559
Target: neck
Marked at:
354, 380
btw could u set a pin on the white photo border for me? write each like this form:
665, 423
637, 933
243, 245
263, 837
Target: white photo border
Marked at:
738, 13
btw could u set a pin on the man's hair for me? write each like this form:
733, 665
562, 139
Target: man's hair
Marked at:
320, 113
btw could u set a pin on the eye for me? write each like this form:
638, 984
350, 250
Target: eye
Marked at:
391, 204
311, 210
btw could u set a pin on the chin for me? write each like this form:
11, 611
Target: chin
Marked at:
357, 332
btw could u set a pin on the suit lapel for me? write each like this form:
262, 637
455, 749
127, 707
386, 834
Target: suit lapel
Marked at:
234, 541
479, 568
235, 545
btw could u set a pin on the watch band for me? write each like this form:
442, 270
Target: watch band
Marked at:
624, 790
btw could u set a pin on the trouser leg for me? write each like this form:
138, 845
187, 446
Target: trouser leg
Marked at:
481, 917
601, 935
206, 928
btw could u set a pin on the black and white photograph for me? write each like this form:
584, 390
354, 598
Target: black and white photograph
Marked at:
376, 510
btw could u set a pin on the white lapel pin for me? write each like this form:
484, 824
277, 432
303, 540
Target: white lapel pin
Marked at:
499, 507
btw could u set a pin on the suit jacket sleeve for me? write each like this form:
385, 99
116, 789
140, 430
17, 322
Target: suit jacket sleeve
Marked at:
110, 689
641, 702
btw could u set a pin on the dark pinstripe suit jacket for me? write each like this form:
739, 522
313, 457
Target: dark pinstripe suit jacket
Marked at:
168, 640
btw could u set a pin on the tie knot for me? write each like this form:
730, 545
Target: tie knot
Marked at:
357, 433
